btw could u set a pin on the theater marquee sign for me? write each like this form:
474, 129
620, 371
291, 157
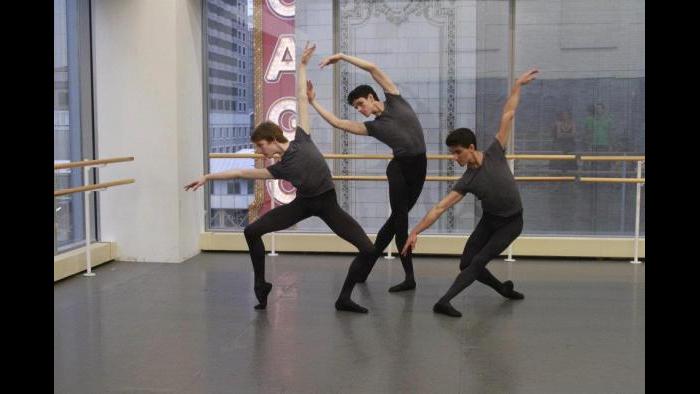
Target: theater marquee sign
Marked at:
275, 95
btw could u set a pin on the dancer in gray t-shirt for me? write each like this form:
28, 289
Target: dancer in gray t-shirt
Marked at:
396, 125
303, 165
489, 178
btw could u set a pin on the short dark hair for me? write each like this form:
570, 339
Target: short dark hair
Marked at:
361, 91
461, 137
269, 132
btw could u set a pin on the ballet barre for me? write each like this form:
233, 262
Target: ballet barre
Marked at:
639, 181
388, 157
90, 188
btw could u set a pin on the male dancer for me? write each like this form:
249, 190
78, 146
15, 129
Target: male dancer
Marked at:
489, 178
396, 125
303, 165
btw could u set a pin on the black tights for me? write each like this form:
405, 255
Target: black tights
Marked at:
491, 236
326, 207
406, 176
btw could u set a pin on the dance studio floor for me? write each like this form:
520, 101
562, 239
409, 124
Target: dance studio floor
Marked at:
191, 328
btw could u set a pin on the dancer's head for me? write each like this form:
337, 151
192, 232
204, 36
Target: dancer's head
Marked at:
462, 145
365, 100
267, 138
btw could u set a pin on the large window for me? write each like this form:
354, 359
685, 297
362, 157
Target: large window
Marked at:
589, 100
73, 134
230, 98
454, 61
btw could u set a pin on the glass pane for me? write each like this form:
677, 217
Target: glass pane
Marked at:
452, 63
588, 100
229, 46
432, 52
69, 211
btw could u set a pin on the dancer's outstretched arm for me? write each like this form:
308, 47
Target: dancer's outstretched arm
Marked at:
302, 100
511, 105
350, 126
380, 76
249, 173
451, 199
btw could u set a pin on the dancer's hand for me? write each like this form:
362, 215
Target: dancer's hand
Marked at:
332, 59
310, 93
410, 243
527, 76
308, 51
196, 184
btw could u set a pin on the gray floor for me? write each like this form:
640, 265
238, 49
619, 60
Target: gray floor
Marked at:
191, 328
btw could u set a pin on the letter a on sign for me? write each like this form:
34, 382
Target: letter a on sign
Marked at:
282, 58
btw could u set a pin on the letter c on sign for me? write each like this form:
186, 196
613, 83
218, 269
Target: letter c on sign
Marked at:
283, 8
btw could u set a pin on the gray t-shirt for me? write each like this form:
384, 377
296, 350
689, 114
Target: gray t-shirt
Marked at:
398, 127
304, 166
492, 183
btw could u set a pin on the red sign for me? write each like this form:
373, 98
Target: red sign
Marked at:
279, 94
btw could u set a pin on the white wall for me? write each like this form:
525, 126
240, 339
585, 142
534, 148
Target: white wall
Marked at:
148, 104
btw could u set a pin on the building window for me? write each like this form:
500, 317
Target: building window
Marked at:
72, 131
232, 15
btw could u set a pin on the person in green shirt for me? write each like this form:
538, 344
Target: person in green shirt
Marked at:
599, 123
